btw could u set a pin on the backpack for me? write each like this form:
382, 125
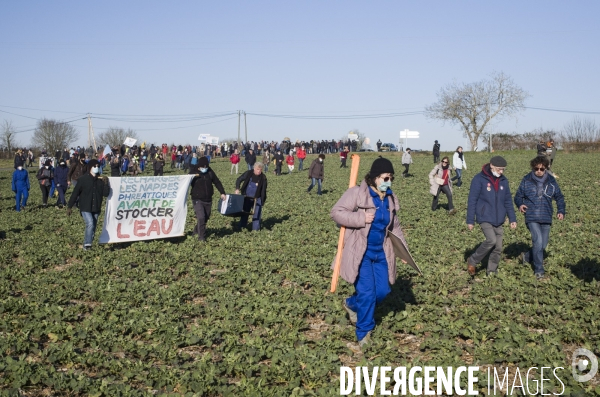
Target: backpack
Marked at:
125, 165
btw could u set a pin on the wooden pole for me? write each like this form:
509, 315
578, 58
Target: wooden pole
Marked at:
338, 257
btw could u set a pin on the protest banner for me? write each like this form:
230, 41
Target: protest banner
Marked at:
129, 142
145, 208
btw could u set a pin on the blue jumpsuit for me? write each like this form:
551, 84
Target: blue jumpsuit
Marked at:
20, 185
372, 284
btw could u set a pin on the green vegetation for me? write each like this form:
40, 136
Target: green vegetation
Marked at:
249, 314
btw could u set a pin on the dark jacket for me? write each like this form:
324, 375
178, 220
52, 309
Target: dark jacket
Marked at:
244, 179
278, 158
316, 170
541, 149
158, 165
436, 149
250, 158
45, 176
90, 190
202, 185
19, 160
539, 209
60, 175
489, 199
76, 171
115, 167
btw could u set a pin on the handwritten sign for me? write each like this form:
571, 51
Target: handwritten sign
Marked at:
145, 208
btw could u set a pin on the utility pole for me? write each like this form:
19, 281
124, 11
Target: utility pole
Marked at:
239, 116
245, 128
91, 137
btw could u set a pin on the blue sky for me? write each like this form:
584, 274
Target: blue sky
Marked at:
158, 59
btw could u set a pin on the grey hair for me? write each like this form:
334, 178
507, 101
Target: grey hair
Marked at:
258, 164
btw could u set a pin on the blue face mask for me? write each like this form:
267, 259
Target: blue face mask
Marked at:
204, 170
384, 186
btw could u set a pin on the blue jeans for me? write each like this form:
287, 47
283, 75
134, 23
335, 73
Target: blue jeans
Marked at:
300, 166
458, 177
250, 167
91, 220
62, 190
22, 196
371, 287
540, 233
315, 181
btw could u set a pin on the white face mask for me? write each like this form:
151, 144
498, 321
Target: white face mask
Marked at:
47, 167
95, 170
320, 160
497, 175
19, 168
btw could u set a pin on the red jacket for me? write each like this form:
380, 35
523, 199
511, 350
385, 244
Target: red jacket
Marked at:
289, 160
235, 158
344, 154
301, 154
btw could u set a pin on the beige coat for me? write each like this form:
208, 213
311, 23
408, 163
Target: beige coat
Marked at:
439, 172
350, 211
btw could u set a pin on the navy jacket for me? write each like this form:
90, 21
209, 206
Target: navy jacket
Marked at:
20, 180
60, 175
539, 209
486, 204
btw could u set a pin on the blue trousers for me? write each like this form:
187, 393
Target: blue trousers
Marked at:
91, 220
62, 190
248, 203
22, 196
371, 287
301, 165
540, 233
313, 183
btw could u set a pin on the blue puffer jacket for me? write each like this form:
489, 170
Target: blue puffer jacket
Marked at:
539, 209
486, 204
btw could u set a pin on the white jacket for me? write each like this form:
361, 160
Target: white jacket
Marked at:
456, 163
406, 158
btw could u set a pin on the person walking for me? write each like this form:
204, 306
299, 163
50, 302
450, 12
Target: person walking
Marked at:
201, 193
301, 153
89, 191
368, 212
439, 179
278, 162
253, 185
316, 173
78, 169
19, 159
21, 186
344, 157
60, 180
534, 199
436, 152
378, 145
458, 164
290, 162
406, 162
235, 161
489, 203
266, 159
45, 175
250, 159
159, 165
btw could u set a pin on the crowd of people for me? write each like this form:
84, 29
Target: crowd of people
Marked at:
368, 211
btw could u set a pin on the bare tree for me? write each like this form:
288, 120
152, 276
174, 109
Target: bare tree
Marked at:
7, 136
53, 135
474, 105
115, 136
581, 130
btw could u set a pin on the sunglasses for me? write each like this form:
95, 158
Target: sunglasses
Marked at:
388, 178
539, 169
444, 162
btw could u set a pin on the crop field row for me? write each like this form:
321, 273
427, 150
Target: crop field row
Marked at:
249, 313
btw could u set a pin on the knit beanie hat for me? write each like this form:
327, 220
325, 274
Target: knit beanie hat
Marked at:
93, 163
48, 162
381, 166
203, 162
498, 161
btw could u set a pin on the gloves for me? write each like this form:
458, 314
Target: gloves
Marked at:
69, 211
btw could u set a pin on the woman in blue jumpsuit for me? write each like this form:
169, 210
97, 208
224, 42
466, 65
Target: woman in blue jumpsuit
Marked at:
20, 185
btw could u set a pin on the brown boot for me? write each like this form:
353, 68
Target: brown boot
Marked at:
470, 268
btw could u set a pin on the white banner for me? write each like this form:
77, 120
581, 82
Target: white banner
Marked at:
213, 140
145, 208
129, 142
203, 137
353, 137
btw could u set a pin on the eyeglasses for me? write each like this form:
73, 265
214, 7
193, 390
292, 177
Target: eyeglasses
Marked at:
539, 169
444, 162
388, 178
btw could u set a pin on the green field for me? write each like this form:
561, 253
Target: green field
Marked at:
249, 314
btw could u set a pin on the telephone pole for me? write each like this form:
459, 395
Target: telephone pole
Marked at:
245, 128
239, 116
91, 137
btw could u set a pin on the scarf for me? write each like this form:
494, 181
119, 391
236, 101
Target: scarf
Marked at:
460, 155
539, 183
